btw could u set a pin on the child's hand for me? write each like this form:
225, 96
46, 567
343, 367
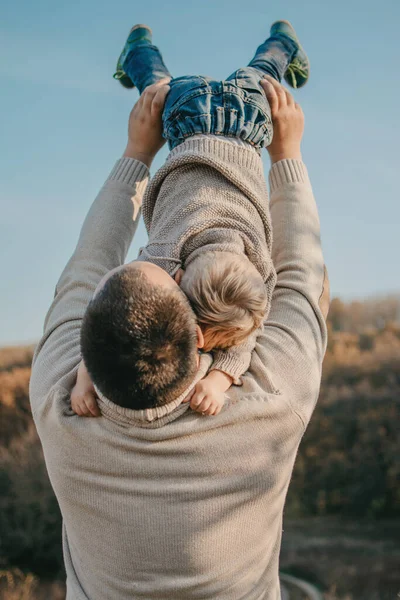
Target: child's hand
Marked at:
83, 395
208, 396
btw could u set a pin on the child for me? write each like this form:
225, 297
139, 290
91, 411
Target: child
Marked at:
209, 214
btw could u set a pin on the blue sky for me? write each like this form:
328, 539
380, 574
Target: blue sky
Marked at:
64, 121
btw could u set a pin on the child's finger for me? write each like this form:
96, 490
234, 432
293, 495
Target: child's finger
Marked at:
80, 409
91, 406
189, 396
211, 411
204, 406
77, 409
197, 399
214, 408
75, 402
85, 405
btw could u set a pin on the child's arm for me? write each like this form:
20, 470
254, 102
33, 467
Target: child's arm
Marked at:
228, 367
83, 395
208, 396
235, 361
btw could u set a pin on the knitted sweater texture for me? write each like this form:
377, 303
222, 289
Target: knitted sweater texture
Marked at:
211, 196
165, 504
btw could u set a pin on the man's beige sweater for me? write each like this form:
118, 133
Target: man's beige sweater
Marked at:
165, 504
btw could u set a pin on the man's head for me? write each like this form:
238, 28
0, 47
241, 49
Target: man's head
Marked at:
139, 337
227, 294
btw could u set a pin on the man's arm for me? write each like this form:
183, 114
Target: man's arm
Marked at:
290, 350
103, 244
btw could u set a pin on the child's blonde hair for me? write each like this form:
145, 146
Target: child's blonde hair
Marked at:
227, 294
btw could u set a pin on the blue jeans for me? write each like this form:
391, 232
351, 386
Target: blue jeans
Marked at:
236, 107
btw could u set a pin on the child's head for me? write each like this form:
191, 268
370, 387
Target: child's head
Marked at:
227, 294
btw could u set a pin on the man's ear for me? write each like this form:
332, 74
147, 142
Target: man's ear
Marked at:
200, 337
178, 276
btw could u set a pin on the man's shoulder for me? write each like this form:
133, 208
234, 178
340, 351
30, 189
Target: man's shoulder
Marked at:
55, 401
261, 400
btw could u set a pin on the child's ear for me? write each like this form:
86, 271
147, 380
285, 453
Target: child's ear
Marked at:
178, 276
200, 337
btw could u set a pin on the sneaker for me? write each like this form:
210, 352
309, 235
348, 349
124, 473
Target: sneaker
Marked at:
298, 71
138, 33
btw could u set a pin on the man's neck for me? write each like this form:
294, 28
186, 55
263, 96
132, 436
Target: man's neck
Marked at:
159, 415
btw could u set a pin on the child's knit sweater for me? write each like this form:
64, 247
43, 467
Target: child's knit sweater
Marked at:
211, 195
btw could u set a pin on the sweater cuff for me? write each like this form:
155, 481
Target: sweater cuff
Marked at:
286, 171
131, 172
231, 366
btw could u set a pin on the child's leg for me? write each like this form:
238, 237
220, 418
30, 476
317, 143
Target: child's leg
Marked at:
274, 56
271, 58
140, 62
144, 65
281, 55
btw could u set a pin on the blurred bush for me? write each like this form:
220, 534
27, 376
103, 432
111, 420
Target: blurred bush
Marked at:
15, 585
30, 520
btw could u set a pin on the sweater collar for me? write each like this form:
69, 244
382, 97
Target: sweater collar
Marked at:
159, 415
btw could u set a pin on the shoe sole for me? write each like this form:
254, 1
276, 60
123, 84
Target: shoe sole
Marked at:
141, 27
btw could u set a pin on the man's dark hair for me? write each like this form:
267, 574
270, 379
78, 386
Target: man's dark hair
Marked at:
138, 341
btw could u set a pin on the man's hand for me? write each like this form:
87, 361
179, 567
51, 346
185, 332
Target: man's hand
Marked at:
145, 123
287, 119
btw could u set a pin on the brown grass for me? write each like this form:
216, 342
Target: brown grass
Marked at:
346, 559
15, 585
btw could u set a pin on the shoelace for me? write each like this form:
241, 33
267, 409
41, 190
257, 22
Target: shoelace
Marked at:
296, 68
119, 74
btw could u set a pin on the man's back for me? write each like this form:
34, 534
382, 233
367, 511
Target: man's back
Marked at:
182, 506
188, 509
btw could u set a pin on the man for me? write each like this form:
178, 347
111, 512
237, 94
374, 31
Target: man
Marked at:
162, 503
